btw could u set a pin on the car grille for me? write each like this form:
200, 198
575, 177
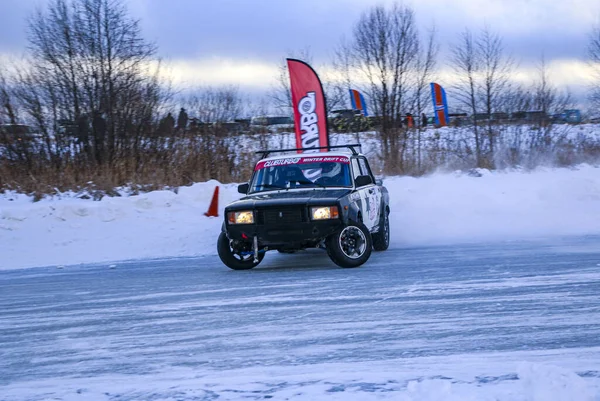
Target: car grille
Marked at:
280, 216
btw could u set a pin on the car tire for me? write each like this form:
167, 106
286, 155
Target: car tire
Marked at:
233, 260
381, 239
350, 246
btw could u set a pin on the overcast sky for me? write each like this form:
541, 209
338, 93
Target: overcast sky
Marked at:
241, 42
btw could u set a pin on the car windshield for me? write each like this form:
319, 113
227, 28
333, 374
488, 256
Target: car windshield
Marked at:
301, 172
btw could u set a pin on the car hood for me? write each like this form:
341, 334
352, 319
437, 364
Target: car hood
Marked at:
289, 198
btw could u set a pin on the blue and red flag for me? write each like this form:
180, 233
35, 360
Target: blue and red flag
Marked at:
440, 104
358, 102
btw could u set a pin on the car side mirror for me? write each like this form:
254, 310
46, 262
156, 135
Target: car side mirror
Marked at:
243, 188
378, 182
363, 180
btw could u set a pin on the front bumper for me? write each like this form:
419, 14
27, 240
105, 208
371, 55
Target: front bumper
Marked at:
289, 235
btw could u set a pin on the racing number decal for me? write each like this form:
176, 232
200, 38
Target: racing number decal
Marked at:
370, 199
374, 200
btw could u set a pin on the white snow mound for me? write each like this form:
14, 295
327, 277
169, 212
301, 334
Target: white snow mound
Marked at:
440, 208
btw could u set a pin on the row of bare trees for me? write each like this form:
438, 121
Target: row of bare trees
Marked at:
87, 106
594, 61
89, 70
91, 91
484, 88
388, 60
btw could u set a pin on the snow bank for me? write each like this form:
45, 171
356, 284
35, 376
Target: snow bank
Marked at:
441, 208
71, 230
484, 205
344, 382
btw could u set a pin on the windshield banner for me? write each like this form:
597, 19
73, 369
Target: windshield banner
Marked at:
308, 99
301, 160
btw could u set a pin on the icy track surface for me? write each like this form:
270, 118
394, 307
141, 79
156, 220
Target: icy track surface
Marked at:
509, 321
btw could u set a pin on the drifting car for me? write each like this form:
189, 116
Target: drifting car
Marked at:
329, 200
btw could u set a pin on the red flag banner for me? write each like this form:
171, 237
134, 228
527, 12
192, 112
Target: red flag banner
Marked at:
308, 100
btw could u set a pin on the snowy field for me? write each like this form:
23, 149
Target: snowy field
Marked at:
504, 321
489, 292
438, 209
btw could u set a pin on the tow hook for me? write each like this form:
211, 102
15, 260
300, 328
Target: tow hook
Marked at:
255, 248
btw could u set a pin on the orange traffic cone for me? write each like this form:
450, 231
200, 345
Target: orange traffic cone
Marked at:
213, 209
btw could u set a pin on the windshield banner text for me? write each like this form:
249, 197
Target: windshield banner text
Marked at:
301, 160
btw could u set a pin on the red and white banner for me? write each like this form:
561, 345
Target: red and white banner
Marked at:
308, 100
301, 160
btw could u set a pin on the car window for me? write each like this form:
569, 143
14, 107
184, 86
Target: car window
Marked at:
355, 168
364, 167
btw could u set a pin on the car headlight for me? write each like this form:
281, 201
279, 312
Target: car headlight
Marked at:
244, 217
324, 212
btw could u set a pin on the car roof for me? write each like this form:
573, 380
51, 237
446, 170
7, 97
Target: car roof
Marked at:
316, 154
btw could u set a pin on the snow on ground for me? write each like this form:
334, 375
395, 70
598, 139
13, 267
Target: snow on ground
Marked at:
344, 382
440, 208
508, 321
448, 208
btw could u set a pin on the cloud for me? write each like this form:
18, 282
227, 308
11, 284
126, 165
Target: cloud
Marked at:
266, 29
561, 73
260, 74
242, 42
218, 71
257, 77
521, 17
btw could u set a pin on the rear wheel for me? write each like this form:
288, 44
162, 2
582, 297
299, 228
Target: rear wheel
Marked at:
350, 246
236, 260
381, 239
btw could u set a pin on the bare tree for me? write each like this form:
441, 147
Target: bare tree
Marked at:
546, 97
89, 75
483, 72
7, 109
425, 66
383, 53
466, 62
547, 100
217, 105
280, 94
340, 84
215, 147
14, 137
594, 62
496, 71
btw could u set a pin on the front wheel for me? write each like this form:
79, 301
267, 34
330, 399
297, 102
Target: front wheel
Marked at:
350, 246
234, 259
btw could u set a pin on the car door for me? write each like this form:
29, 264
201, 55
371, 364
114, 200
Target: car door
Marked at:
373, 196
358, 196
369, 196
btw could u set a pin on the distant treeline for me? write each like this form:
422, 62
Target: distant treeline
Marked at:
89, 107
